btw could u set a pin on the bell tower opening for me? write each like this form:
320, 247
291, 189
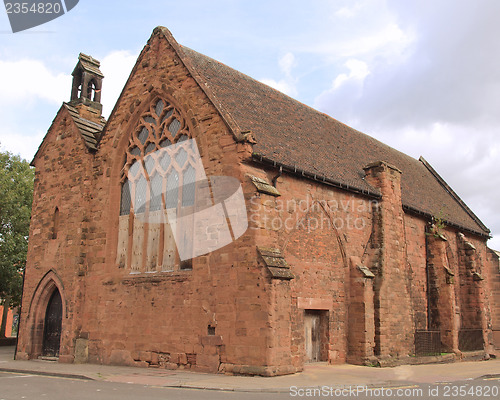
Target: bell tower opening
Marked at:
87, 83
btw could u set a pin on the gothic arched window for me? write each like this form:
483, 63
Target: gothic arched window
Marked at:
159, 176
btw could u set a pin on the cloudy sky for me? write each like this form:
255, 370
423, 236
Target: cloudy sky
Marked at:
422, 76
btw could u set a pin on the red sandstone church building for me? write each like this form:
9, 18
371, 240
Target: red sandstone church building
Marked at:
354, 252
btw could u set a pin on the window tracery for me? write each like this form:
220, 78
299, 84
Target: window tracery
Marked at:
152, 183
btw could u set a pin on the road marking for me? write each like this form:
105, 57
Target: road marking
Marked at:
392, 387
18, 376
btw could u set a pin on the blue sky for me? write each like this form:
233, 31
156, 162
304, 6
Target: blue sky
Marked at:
423, 77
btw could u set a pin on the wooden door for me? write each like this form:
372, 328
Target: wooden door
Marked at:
52, 326
312, 336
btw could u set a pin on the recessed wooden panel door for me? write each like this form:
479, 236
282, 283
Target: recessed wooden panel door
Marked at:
52, 326
312, 336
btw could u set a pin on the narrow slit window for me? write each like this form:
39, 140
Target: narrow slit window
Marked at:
55, 223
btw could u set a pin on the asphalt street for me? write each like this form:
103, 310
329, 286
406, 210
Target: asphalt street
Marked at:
15, 386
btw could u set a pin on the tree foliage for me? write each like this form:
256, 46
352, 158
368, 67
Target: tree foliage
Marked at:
16, 194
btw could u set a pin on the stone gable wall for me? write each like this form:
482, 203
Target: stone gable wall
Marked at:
207, 319
62, 180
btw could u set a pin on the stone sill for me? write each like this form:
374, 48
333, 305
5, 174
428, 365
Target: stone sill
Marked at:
174, 276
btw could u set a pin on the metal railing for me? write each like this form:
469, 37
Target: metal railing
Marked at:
427, 343
470, 339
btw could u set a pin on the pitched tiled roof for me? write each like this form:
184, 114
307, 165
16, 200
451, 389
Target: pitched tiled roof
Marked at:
89, 130
296, 136
88, 63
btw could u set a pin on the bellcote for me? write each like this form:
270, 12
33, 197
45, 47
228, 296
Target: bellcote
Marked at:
87, 83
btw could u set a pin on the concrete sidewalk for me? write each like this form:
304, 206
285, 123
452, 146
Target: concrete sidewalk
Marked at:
314, 375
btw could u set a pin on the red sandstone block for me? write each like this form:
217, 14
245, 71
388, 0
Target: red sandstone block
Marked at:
211, 362
212, 340
182, 359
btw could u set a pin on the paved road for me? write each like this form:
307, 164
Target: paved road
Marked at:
35, 387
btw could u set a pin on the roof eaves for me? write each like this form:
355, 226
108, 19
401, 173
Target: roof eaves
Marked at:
89, 130
294, 170
455, 196
89, 67
413, 210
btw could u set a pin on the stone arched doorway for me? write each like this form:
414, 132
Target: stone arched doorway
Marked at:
42, 335
52, 326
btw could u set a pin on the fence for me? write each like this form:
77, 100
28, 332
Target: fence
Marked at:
427, 343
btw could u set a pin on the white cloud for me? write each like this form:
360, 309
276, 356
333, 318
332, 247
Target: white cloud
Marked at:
116, 67
348, 12
29, 88
28, 80
287, 84
358, 70
390, 40
22, 143
29, 85
369, 30
286, 63
281, 85
433, 89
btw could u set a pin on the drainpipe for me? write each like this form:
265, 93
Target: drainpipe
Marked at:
277, 176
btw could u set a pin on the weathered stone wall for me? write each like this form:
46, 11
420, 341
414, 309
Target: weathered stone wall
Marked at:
393, 323
316, 227
494, 290
415, 241
228, 313
206, 318
62, 181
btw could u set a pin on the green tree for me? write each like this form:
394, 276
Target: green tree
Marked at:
16, 194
